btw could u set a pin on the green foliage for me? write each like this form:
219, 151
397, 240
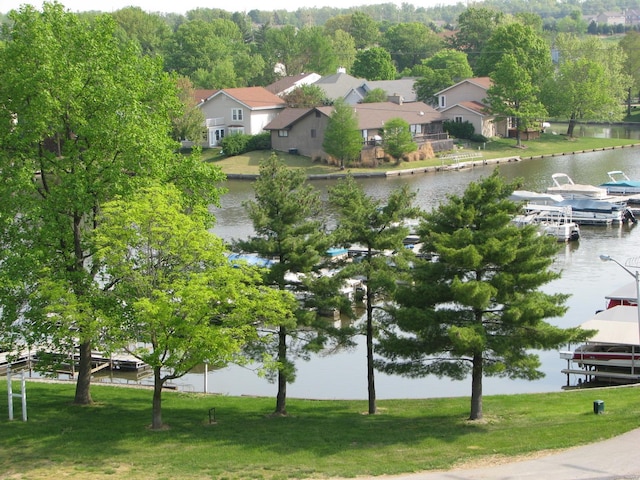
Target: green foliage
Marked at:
376, 227
374, 64
176, 301
475, 27
397, 138
306, 96
92, 117
235, 144
477, 307
513, 93
342, 137
260, 141
288, 224
376, 95
409, 43
459, 129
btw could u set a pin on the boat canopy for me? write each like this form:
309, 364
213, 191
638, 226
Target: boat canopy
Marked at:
617, 325
586, 205
535, 197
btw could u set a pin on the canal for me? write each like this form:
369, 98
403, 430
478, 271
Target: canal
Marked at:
342, 375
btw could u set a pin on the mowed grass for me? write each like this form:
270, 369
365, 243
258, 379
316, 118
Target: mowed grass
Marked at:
548, 144
318, 439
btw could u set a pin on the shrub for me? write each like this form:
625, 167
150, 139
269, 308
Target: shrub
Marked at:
459, 129
261, 141
235, 144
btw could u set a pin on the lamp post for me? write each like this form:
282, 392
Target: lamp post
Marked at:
636, 275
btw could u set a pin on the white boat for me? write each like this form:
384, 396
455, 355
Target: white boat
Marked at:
565, 186
587, 211
620, 184
551, 220
613, 353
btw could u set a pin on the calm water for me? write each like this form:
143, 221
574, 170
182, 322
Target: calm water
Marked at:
584, 277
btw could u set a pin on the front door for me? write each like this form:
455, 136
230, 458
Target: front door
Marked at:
216, 134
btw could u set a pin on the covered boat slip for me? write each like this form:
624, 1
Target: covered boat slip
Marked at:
614, 351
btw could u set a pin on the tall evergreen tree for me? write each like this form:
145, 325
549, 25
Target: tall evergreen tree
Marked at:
376, 226
476, 307
289, 228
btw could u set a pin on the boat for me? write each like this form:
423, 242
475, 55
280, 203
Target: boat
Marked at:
620, 184
613, 353
563, 185
551, 220
586, 211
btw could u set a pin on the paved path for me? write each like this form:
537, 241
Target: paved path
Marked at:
614, 459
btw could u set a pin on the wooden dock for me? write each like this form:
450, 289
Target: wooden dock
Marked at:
99, 361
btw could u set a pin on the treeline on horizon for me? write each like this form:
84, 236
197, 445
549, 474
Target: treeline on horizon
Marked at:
445, 16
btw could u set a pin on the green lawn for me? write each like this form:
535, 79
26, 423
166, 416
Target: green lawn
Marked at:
548, 144
319, 439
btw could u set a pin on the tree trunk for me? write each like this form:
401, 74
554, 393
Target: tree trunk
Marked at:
370, 370
281, 399
156, 421
629, 101
476, 387
83, 384
572, 125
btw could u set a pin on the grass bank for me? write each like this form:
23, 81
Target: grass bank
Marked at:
548, 144
319, 439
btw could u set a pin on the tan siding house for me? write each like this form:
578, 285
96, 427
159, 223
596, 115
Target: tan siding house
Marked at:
237, 110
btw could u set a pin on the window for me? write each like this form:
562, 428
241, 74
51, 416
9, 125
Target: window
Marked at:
283, 133
313, 133
458, 119
237, 115
317, 114
235, 130
443, 101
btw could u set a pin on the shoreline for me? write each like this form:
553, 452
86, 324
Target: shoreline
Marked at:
435, 168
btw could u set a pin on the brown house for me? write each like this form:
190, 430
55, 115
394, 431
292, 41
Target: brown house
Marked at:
301, 130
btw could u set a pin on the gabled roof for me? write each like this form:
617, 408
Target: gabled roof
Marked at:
201, 95
372, 116
254, 98
472, 106
290, 81
287, 117
482, 82
339, 84
402, 86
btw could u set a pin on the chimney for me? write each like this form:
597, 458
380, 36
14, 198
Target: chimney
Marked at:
395, 98
342, 70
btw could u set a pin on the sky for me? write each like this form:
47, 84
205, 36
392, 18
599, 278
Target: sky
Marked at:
182, 6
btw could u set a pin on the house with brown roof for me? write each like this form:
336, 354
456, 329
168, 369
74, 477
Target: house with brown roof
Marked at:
301, 130
237, 110
465, 102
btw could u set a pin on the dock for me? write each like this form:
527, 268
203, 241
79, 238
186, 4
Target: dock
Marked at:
119, 361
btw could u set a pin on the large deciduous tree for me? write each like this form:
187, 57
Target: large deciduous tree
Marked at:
514, 95
374, 64
589, 83
409, 43
377, 226
477, 306
475, 26
176, 300
83, 117
342, 138
445, 68
289, 228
